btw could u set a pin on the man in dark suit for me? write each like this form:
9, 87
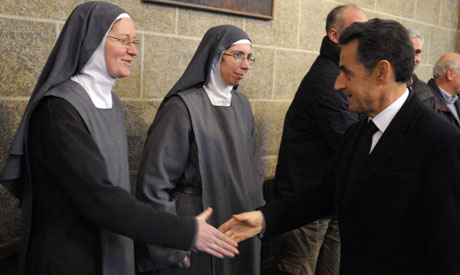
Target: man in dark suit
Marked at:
314, 125
398, 199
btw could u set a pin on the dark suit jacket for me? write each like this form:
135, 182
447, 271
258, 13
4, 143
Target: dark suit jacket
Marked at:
422, 90
314, 125
402, 215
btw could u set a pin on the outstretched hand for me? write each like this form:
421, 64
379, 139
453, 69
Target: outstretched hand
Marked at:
243, 226
211, 240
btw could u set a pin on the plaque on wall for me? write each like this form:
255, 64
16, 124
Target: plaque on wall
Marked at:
251, 8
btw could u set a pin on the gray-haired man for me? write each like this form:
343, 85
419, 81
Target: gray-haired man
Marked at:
446, 87
419, 87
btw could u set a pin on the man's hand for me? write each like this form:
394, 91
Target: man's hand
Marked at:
243, 226
211, 241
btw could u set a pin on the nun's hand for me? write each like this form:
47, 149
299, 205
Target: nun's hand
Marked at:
211, 240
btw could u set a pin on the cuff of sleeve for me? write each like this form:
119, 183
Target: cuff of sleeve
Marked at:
262, 233
195, 236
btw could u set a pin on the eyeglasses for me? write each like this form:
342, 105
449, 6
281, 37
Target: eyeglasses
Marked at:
239, 57
125, 42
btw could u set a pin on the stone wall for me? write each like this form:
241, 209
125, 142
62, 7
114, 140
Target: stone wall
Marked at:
284, 48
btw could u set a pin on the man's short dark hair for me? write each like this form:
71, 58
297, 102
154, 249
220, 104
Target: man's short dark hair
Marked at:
380, 39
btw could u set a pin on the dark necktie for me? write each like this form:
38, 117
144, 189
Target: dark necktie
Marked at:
362, 150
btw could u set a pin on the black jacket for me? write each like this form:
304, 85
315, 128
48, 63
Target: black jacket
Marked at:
440, 104
423, 91
314, 125
401, 215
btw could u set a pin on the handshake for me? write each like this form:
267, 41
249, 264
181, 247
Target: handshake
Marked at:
224, 240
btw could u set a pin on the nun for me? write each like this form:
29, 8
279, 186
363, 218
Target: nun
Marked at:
69, 165
200, 152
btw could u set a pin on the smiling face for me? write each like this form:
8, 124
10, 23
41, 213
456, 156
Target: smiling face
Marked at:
118, 58
231, 70
357, 83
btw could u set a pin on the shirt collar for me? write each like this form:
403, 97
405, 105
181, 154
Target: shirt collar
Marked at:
448, 97
383, 119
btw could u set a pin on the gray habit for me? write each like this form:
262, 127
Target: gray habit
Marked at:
107, 127
192, 142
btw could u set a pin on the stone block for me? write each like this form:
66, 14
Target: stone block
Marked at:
367, 4
269, 120
258, 82
26, 46
150, 17
449, 14
424, 72
313, 24
165, 60
195, 23
290, 68
49, 9
286, 24
371, 14
282, 31
139, 117
269, 164
404, 9
10, 116
441, 41
428, 11
260, 31
457, 43
10, 214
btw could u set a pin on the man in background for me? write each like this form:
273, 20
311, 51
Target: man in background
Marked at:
446, 87
314, 125
394, 182
419, 87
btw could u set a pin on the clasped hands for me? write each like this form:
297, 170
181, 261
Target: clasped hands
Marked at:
223, 241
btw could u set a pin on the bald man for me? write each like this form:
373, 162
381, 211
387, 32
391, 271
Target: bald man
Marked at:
314, 125
446, 87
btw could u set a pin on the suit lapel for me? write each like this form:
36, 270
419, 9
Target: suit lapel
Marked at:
390, 142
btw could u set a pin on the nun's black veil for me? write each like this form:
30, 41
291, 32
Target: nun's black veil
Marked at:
81, 35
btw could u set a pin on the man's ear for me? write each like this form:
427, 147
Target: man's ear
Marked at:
449, 74
333, 35
383, 70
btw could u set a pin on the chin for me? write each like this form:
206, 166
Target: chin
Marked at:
124, 74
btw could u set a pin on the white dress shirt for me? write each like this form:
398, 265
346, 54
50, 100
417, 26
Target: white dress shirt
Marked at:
384, 118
